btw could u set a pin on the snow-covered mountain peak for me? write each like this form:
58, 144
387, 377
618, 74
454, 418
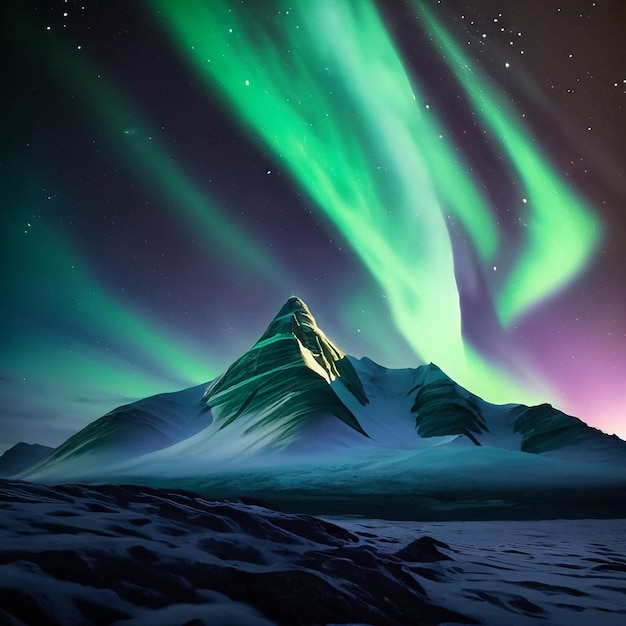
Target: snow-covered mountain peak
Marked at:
319, 353
290, 375
294, 306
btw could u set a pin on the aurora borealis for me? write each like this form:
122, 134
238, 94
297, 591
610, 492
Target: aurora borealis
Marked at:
439, 181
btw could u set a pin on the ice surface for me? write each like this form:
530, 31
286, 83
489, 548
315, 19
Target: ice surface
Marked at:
558, 572
83, 555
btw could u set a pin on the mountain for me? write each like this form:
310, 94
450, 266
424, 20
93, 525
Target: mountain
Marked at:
299, 425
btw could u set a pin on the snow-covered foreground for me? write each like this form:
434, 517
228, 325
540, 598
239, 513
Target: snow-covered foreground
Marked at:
515, 572
135, 555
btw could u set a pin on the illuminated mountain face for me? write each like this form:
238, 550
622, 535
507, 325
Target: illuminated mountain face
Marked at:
286, 378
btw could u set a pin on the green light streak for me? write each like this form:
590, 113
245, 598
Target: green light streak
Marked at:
324, 87
148, 158
105, 338
562, 234
110, 347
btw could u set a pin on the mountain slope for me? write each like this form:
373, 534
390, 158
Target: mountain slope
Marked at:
442, 408
127, 432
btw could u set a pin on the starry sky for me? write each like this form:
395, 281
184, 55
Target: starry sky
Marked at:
439, 181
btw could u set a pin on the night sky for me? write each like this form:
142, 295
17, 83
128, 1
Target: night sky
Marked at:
438, 181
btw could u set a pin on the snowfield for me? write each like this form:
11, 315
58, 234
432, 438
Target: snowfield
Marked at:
78, 554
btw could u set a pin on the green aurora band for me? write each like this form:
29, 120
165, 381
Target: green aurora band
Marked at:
148, 158
561, 231
322, 84
78, 295
130, 354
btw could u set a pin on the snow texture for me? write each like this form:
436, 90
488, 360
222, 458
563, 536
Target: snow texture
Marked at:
128, 555
134, 555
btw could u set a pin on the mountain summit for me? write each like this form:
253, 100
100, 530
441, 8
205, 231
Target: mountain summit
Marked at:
295, 319
291, 375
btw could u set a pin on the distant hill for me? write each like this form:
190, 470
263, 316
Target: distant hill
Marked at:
22, 456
